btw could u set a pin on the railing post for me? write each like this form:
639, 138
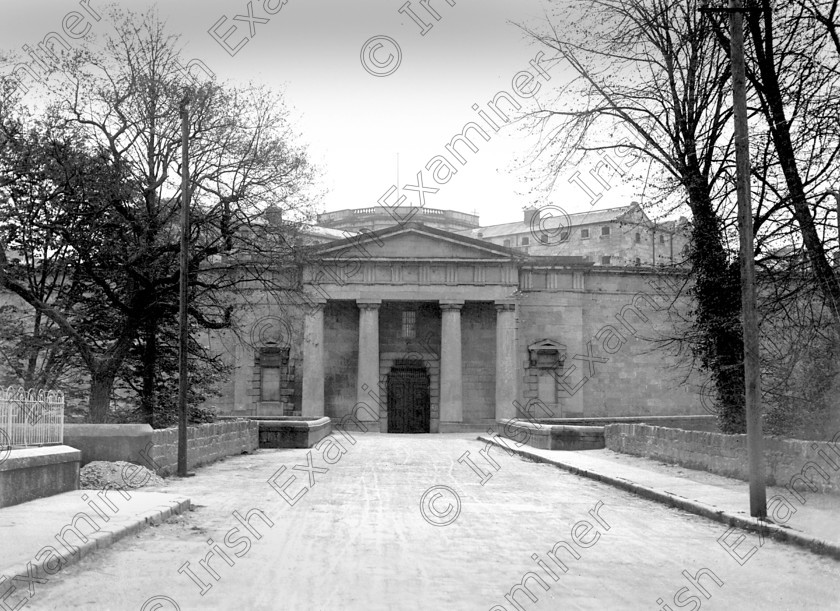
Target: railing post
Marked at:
8, 407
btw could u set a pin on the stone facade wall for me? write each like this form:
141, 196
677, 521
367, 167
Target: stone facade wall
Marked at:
205, 443
276, 325
613, 323
608, 313
800, 465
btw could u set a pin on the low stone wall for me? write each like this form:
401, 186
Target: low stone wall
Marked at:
33, 473
801, 465
158, 449
553, 436
689, 423
205, 443
111, 442
293, 432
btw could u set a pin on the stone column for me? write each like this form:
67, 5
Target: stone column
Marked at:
313, 362
451, 380
367, 380
507, 367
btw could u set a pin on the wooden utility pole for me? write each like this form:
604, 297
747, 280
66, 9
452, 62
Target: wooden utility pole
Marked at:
183, 339
752, 364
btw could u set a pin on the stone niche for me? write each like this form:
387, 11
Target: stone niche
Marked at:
543, 369
274, 380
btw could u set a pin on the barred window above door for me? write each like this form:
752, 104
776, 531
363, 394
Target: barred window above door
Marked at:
409, 324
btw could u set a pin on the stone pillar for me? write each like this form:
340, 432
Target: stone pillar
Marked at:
313, 362
507, 367
367, 380
451, 379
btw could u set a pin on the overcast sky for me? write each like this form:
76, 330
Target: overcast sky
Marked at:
357, 124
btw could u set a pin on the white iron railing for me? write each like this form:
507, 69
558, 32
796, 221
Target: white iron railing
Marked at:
31, 417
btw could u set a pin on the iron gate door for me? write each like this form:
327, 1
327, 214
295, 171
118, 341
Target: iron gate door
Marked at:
408, 400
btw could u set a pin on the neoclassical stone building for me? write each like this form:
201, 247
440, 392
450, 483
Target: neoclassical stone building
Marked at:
413, 327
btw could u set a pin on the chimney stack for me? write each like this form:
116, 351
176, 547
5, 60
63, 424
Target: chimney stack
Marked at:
532, 214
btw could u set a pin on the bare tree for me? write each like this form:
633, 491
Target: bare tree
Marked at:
121, 105
655, 69
794, 71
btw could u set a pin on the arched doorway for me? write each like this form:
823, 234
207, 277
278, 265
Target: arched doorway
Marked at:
408, 398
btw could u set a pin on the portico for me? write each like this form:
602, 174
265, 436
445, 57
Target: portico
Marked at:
436, 350
408, 295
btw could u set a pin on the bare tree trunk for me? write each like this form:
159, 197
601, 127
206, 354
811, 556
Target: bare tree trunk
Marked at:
101, 385
148, 397
32, 361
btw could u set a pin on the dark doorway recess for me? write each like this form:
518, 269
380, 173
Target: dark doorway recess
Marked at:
408, 398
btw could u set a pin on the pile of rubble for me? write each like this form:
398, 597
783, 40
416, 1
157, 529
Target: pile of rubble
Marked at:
120, 474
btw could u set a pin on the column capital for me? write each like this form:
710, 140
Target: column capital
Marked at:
505, 305
451, 304
368, 304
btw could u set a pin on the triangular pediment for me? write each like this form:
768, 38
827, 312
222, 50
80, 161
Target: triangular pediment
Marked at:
547, 344
414, 241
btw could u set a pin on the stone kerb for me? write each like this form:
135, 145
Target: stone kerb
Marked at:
808, 465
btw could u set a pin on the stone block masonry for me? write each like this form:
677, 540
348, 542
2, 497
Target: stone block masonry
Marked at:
206, 443
799, 466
